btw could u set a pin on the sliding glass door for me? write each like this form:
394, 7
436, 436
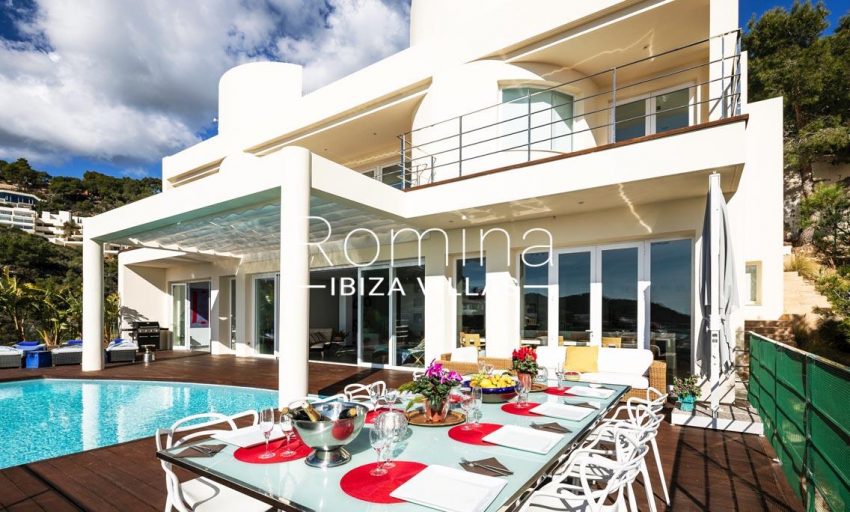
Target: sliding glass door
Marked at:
190, 315
265, 318
178, 316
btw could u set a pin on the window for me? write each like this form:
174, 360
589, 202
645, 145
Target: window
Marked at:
471, 279
539, 117
670, 294
534, 306
657, 113
391, 175
753, 271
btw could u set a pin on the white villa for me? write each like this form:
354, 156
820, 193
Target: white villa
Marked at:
363, 222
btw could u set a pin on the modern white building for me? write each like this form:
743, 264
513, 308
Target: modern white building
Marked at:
506, 128
17, 210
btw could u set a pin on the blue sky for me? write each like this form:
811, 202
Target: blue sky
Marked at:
114, 86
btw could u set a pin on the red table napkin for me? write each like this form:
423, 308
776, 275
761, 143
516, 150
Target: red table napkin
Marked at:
359, 484
557, 392
252, 454
475, 435
513, 408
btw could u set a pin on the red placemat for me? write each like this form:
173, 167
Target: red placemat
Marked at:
252, 454
474, 435
559, 392
512, 408
359, 484
371, 415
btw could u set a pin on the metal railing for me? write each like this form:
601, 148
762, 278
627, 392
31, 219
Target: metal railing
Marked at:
802, 400
500, 135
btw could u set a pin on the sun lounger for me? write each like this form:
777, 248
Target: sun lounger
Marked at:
71, 352
29, 346
121, 351
10, 357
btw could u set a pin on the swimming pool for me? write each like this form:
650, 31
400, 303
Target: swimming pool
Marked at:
45, 418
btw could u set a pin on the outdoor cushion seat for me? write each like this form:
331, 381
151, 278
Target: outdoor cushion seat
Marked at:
120, 350
10, 357
624, 379
69, 353
29, 346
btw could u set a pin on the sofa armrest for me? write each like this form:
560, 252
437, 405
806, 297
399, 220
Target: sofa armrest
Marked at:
446, 357
461, 368
658, 375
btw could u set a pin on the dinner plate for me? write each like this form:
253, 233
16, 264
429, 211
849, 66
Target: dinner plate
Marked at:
523, 438
450, 490
562, 411
590, 392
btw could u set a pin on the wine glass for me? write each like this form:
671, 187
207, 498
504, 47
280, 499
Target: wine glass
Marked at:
394, 425
559, 372
477, 401
522, 394
391, 397
542, 376
286, 428
267, 425
378, 440
467, 403
374, 396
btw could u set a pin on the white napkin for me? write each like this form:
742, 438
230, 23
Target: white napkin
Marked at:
523, 438
450, 490
248, 436
562, 411
590, 392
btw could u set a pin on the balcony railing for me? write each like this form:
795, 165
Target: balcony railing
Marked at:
549, 121
802, 401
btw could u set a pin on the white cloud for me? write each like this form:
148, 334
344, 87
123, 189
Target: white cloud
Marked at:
133, 81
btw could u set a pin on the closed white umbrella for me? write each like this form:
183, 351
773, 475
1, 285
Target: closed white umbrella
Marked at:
718, 291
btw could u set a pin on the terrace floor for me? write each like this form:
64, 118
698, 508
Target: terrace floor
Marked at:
706, 470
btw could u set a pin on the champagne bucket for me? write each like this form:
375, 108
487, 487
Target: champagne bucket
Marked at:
327, 438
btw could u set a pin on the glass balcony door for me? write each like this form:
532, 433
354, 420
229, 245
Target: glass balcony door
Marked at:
190, 315
178, 316
265, 314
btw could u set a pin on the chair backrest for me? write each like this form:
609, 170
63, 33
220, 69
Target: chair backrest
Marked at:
360, 392
612, 342
190, 428
418, 373
465, 355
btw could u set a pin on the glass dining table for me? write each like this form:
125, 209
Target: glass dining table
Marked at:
295, 486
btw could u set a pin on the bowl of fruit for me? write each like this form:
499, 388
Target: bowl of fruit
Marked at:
495, 388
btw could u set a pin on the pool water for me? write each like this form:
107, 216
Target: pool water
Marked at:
45, 418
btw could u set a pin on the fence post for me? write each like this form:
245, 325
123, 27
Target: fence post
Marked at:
403, 166
528, 138
460, 146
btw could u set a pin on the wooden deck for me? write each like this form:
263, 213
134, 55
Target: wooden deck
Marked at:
706, 470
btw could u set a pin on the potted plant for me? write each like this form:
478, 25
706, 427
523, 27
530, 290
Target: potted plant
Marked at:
525, 365
433, 387
687, 390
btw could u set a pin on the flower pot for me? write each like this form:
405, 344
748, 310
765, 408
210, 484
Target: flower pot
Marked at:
686, 403
436, 412
525, 378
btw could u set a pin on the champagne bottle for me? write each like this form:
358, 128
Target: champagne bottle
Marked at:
311, 413
351, 412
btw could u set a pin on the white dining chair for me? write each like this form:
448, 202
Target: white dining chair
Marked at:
201, 494
418, 373
360, 393
580, 491
643, 424
655, 401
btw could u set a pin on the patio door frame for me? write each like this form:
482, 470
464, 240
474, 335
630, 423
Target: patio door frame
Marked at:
391, 322
187, 307
255, 339
595, 277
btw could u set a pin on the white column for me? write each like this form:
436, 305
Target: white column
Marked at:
92, 305
243, 334
502, 309
294, 304
439, 303
215, 316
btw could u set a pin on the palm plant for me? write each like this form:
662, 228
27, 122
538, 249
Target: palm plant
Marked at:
15, 302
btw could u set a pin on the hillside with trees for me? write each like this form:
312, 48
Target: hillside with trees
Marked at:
40, 282
790, 55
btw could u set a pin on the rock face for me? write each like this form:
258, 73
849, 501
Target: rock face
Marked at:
801, 310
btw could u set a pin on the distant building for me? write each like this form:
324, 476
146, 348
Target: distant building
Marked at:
17, 210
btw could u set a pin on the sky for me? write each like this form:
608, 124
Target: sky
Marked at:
115, 85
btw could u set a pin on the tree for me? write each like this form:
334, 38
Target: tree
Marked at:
789, 56
827, 211
20, 174
15, 302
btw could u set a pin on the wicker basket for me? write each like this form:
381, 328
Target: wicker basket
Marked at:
657, 380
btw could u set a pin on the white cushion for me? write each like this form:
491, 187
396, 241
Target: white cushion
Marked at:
206, 496
551, 357
624, 379
635, 361
465, 355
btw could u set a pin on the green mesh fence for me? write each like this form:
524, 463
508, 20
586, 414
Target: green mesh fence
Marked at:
804, 404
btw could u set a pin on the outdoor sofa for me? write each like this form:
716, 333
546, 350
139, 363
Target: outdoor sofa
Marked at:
71, 352
10, 357
121, 351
